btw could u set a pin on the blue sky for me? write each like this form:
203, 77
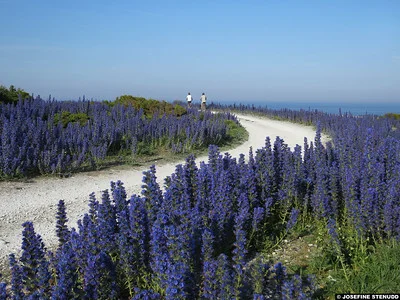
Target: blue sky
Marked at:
245, 51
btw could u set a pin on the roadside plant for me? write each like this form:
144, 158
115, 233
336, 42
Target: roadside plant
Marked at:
204, 235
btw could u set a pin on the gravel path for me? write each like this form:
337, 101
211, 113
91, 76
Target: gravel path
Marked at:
36, 199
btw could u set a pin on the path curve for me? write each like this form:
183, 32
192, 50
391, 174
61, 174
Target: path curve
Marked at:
36, 200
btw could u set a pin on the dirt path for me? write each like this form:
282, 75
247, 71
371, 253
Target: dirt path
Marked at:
36, 200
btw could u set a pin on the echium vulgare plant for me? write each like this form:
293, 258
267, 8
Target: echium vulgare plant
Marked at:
186, 243
189, 242
201, 237
58, 137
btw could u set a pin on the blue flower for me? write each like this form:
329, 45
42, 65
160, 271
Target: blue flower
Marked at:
292, 219
61, 226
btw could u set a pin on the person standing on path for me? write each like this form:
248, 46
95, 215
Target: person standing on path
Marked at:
203, 100
189, 100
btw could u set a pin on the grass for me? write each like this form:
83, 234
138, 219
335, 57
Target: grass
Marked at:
304, 252
379, 273
237, 135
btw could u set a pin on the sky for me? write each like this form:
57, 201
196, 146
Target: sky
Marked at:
243, 51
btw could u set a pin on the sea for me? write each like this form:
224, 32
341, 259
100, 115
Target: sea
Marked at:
356, 109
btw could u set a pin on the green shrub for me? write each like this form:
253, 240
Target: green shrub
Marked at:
392, 116
66, 117
179, 110
149, 106
12, 94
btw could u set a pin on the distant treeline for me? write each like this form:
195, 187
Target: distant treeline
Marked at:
149, 106
12, 95
392, 116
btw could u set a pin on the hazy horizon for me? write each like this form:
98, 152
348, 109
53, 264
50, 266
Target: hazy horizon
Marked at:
272, 51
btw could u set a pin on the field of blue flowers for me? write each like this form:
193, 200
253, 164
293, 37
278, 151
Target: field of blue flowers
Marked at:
56, 137
201, 238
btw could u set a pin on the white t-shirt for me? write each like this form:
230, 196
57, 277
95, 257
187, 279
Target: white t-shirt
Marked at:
189, 98
203, 98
